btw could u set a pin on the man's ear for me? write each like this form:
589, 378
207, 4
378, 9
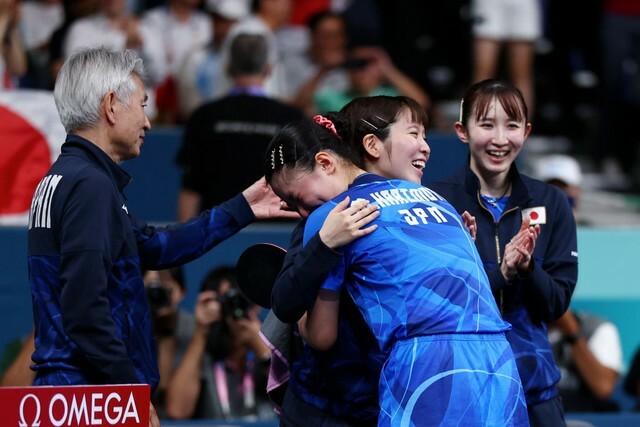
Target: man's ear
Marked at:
109, 106
325, 162
370, 142
461, 132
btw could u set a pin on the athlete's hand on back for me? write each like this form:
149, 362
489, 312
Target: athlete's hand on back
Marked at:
346, 223
469, 221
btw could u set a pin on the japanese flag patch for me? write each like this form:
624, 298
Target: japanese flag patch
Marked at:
537, 214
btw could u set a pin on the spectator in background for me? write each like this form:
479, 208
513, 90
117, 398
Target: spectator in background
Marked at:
199, 74
371, 72
586, 347
114, 27
512, 26
39, 20
173, 326
564, 172
73, 10
224, 140
267, 18
182, 29
320, 68
588, 352
302, 10
224, 370
13, 59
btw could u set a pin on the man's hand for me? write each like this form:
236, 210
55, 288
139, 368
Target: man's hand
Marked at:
207, 310
154, 421
247, 331
264, 203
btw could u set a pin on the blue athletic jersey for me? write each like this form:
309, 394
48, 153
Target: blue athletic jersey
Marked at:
420, 272
421, 287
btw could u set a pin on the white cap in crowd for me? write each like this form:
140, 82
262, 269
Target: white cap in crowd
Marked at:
233, 10
559, 167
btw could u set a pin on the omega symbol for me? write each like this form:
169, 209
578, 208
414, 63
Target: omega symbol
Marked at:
36, 419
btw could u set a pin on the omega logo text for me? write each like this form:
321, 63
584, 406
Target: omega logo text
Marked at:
79, 409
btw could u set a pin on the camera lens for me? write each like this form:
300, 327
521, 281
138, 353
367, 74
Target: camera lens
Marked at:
234, 304
157, 295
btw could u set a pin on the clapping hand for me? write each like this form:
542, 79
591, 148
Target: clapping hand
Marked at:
518, 253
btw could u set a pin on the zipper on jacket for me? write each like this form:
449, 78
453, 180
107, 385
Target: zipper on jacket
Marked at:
496, 237
499, 255
499, 258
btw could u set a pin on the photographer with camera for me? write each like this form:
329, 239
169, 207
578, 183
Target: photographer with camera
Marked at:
224, 371
173, 326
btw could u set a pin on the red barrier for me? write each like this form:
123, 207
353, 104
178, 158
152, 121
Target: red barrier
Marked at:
75, 406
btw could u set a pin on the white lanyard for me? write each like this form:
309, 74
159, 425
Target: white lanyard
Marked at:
247, 388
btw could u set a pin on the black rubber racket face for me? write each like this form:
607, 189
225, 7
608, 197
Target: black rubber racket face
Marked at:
257, 269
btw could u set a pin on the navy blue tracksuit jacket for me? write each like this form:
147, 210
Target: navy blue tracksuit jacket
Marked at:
86, 252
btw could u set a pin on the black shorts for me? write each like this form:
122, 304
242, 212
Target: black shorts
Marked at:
296, 413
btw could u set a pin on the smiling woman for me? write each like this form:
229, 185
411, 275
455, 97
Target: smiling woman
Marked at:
530, 258
410, 249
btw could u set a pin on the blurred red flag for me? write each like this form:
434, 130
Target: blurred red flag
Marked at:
30, 139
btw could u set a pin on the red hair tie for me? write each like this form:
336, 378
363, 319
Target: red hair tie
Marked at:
324, 122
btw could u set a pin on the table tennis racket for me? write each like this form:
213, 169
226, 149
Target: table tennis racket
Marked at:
257, 269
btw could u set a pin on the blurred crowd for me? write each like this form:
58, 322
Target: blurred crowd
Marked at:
580, 76
234, 71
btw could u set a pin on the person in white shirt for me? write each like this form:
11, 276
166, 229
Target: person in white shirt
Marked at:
13, 61
38, 20
269, 17
198, 76
320, 67
586, 347
588, 353
183, 28
114, 27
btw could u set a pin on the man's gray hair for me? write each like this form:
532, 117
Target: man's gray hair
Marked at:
86, 77
248, 55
